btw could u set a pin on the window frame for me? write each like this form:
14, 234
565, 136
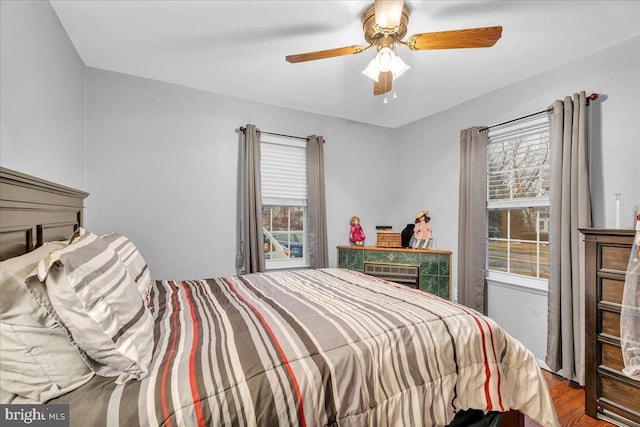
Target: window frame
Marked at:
506, 278
286, 263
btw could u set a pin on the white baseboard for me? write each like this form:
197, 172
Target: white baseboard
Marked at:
543, 365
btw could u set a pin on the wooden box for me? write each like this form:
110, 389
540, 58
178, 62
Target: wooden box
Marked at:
389, 240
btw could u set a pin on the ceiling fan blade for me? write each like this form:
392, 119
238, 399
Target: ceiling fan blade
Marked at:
383, 85
388, 13
323, 54
455, 39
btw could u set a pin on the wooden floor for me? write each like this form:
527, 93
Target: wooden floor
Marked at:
568, 399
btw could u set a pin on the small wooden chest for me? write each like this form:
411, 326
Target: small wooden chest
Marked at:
389, 240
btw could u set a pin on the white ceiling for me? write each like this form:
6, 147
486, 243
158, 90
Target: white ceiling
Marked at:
238, 48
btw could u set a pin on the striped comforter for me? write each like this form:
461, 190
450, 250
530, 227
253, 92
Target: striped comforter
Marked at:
315, 348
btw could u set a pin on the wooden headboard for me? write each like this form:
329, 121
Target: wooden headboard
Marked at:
33, 211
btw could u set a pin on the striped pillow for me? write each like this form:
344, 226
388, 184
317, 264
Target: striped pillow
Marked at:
93, 296
133, 262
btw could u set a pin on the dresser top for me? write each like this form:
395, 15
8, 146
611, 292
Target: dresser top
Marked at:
609, 231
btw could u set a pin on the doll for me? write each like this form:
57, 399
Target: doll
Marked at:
421, 231
356, 235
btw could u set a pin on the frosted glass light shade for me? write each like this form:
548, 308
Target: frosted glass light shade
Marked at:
385, 60
398, 67
372, 71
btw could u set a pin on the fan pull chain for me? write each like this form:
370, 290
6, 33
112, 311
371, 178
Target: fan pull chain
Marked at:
386, 100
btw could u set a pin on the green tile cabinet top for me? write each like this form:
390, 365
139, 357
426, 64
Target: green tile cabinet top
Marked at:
434, 264
411, 250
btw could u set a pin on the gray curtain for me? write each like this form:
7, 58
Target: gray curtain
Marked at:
252, 244
472, 220
317, 211
570, 209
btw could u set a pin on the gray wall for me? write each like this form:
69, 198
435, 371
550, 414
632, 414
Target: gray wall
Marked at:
162, 165
615, 156
41, 95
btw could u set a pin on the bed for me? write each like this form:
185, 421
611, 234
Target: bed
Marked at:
304, 347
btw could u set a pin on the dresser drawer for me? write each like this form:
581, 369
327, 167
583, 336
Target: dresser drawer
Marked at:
615, 258
611, 290
610, 323
620, 393
611, 356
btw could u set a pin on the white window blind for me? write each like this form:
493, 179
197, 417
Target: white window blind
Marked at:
518, 181
283, 172
518, 164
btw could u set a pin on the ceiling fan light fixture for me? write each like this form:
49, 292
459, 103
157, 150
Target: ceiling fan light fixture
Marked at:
385, 59
398, 67
372, 71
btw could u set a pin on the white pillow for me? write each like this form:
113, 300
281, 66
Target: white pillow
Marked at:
96, 299
133, 262
37, 358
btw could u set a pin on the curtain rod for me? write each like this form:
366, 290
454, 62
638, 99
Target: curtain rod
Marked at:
244, 129
591, 97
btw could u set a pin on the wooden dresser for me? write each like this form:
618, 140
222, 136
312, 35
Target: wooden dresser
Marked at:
609, 394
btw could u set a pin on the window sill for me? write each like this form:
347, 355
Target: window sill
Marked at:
518, 282
286, 264
306, 267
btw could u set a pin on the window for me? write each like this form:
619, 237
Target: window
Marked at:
518, 178
283, 164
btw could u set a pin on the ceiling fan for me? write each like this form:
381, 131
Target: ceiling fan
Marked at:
385, 25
